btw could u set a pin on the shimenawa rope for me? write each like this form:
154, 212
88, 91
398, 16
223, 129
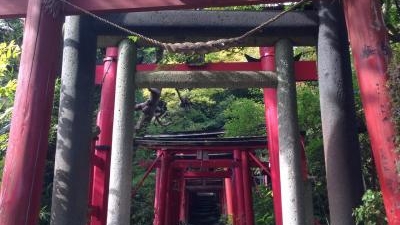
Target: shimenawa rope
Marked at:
55, 8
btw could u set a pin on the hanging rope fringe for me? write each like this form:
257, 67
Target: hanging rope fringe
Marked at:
185, 47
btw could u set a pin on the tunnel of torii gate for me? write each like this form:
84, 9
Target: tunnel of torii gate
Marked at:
205, 175
77, 169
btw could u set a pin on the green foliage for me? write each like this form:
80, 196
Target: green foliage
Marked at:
11, 30
372, 211
263, 206
391, 15
244, 117
9, 58
143, 201
310, 122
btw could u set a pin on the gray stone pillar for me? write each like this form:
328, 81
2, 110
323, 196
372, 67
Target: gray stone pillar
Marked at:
71, 169
119, 198
293, 211
342, 152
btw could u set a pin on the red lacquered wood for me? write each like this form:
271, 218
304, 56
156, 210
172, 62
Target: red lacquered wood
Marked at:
102, 152
271, 117
371, 51
28, 141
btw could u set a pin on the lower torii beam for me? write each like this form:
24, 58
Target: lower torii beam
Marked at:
205, 79
119, 200
74, 133
289, 143
22, 179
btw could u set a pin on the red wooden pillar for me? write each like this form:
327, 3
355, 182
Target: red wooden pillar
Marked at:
222, 201
271, 117
183, 202
240, 212
102, 151
229, 199
22, 180
371, 52
171, 202
164, 180
157, 191
248, 199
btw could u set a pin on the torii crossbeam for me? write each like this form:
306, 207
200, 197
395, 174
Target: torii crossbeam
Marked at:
18, 8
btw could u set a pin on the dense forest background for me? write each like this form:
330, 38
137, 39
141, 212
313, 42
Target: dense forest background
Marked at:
239, 112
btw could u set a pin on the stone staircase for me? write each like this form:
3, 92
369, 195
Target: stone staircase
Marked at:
204, 209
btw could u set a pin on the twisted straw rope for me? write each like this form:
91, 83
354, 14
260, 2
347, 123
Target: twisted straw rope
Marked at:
55, 8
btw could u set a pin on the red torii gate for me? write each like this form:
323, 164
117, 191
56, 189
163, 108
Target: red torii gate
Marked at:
237, 164
30, 122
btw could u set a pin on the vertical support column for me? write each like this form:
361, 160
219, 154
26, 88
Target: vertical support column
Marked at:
289, 143
171, 207
238, 179
161, 210
229, 199
182, 198
74, 133
371, 52
102, 151
341, 147
271, 117
119, 199
308, 198
22, 179
248, 198
157, 191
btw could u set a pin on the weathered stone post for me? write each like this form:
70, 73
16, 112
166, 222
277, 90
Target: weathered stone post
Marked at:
293, 212
119, 199
71, 169
341, 147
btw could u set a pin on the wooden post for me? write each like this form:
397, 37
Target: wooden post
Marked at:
22, 179
271, 119
119, 198
182, 198
170, 205
240, 212
371, 51
157, 191
289, 143
229, 199
102, 149
74, 133
160, 214
341, 147
247, 192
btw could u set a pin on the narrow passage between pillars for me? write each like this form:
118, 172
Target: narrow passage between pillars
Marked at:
119, 200
74, 133
101, 151
289, 143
